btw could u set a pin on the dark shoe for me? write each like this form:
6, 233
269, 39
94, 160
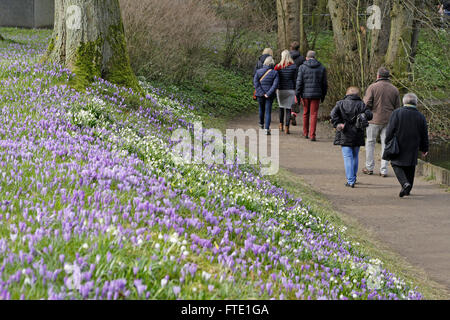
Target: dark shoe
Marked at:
349, 185
267, 131
313, 139
306, 137
261, 126
406, 190
365, 171
286, 130
383, 175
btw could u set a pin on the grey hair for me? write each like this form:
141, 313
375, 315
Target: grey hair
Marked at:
269, 62
384, 73
311, 54
410, 98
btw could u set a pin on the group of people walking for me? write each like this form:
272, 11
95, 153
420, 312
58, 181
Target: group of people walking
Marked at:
294, 80
402, 128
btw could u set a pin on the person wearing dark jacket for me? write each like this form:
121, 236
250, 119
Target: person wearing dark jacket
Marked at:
266, 83
312, 87
296, 55
298, 60
287, 72
344, 117
410, 128
266, 53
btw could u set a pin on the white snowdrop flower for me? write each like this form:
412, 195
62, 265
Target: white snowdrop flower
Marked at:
194, 289
172, 258
183, 248
163, 282
13, 236
68, 268
174, 238
157, 246
355, 296
184, 242
206, 275
27, 281
185, 253
85, 246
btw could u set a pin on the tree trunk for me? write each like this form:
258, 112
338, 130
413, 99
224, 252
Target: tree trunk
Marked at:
415, 37
304, 46
397, 56
379, 38
345, 40
88, 38
288, 23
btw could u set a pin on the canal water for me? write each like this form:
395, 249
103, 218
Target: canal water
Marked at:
439, 154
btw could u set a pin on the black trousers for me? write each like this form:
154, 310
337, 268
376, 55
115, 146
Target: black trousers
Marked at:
285, 116
405, 174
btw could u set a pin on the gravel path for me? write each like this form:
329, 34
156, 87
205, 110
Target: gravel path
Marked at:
416, 227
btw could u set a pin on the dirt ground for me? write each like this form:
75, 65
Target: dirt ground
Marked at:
417, 227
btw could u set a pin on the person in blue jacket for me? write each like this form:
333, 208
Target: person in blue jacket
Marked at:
266, 83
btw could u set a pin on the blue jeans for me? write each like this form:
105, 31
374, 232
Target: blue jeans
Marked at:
265, 111
351, 162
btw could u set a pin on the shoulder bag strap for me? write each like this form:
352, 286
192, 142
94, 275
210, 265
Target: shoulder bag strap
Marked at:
265, 75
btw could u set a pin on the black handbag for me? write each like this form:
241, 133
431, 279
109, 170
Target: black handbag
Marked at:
392, 150
296, 108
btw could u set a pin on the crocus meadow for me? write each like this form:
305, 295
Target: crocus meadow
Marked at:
92, 205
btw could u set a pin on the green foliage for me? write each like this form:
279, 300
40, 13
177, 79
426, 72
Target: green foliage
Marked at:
221, 93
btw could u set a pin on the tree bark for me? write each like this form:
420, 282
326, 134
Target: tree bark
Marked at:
344, 33
288, 23
89, 39
420, 4
304, 46
379, 39
398, 52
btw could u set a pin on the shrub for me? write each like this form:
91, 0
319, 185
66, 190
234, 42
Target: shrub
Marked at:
167, 37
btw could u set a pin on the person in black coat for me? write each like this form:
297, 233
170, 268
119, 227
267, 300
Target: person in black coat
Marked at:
312, 87
344, 118
296, 55
266, 83
410, 128
266, 53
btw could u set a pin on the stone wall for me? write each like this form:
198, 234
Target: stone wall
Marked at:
432, 172
27, 13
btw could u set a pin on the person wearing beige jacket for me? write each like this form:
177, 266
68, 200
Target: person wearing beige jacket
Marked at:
382, 98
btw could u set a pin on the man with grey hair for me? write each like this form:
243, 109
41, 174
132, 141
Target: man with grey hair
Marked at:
382, 98
410, 128
311, 89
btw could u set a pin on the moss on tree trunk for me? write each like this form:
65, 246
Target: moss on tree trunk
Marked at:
397, 56
89, 39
